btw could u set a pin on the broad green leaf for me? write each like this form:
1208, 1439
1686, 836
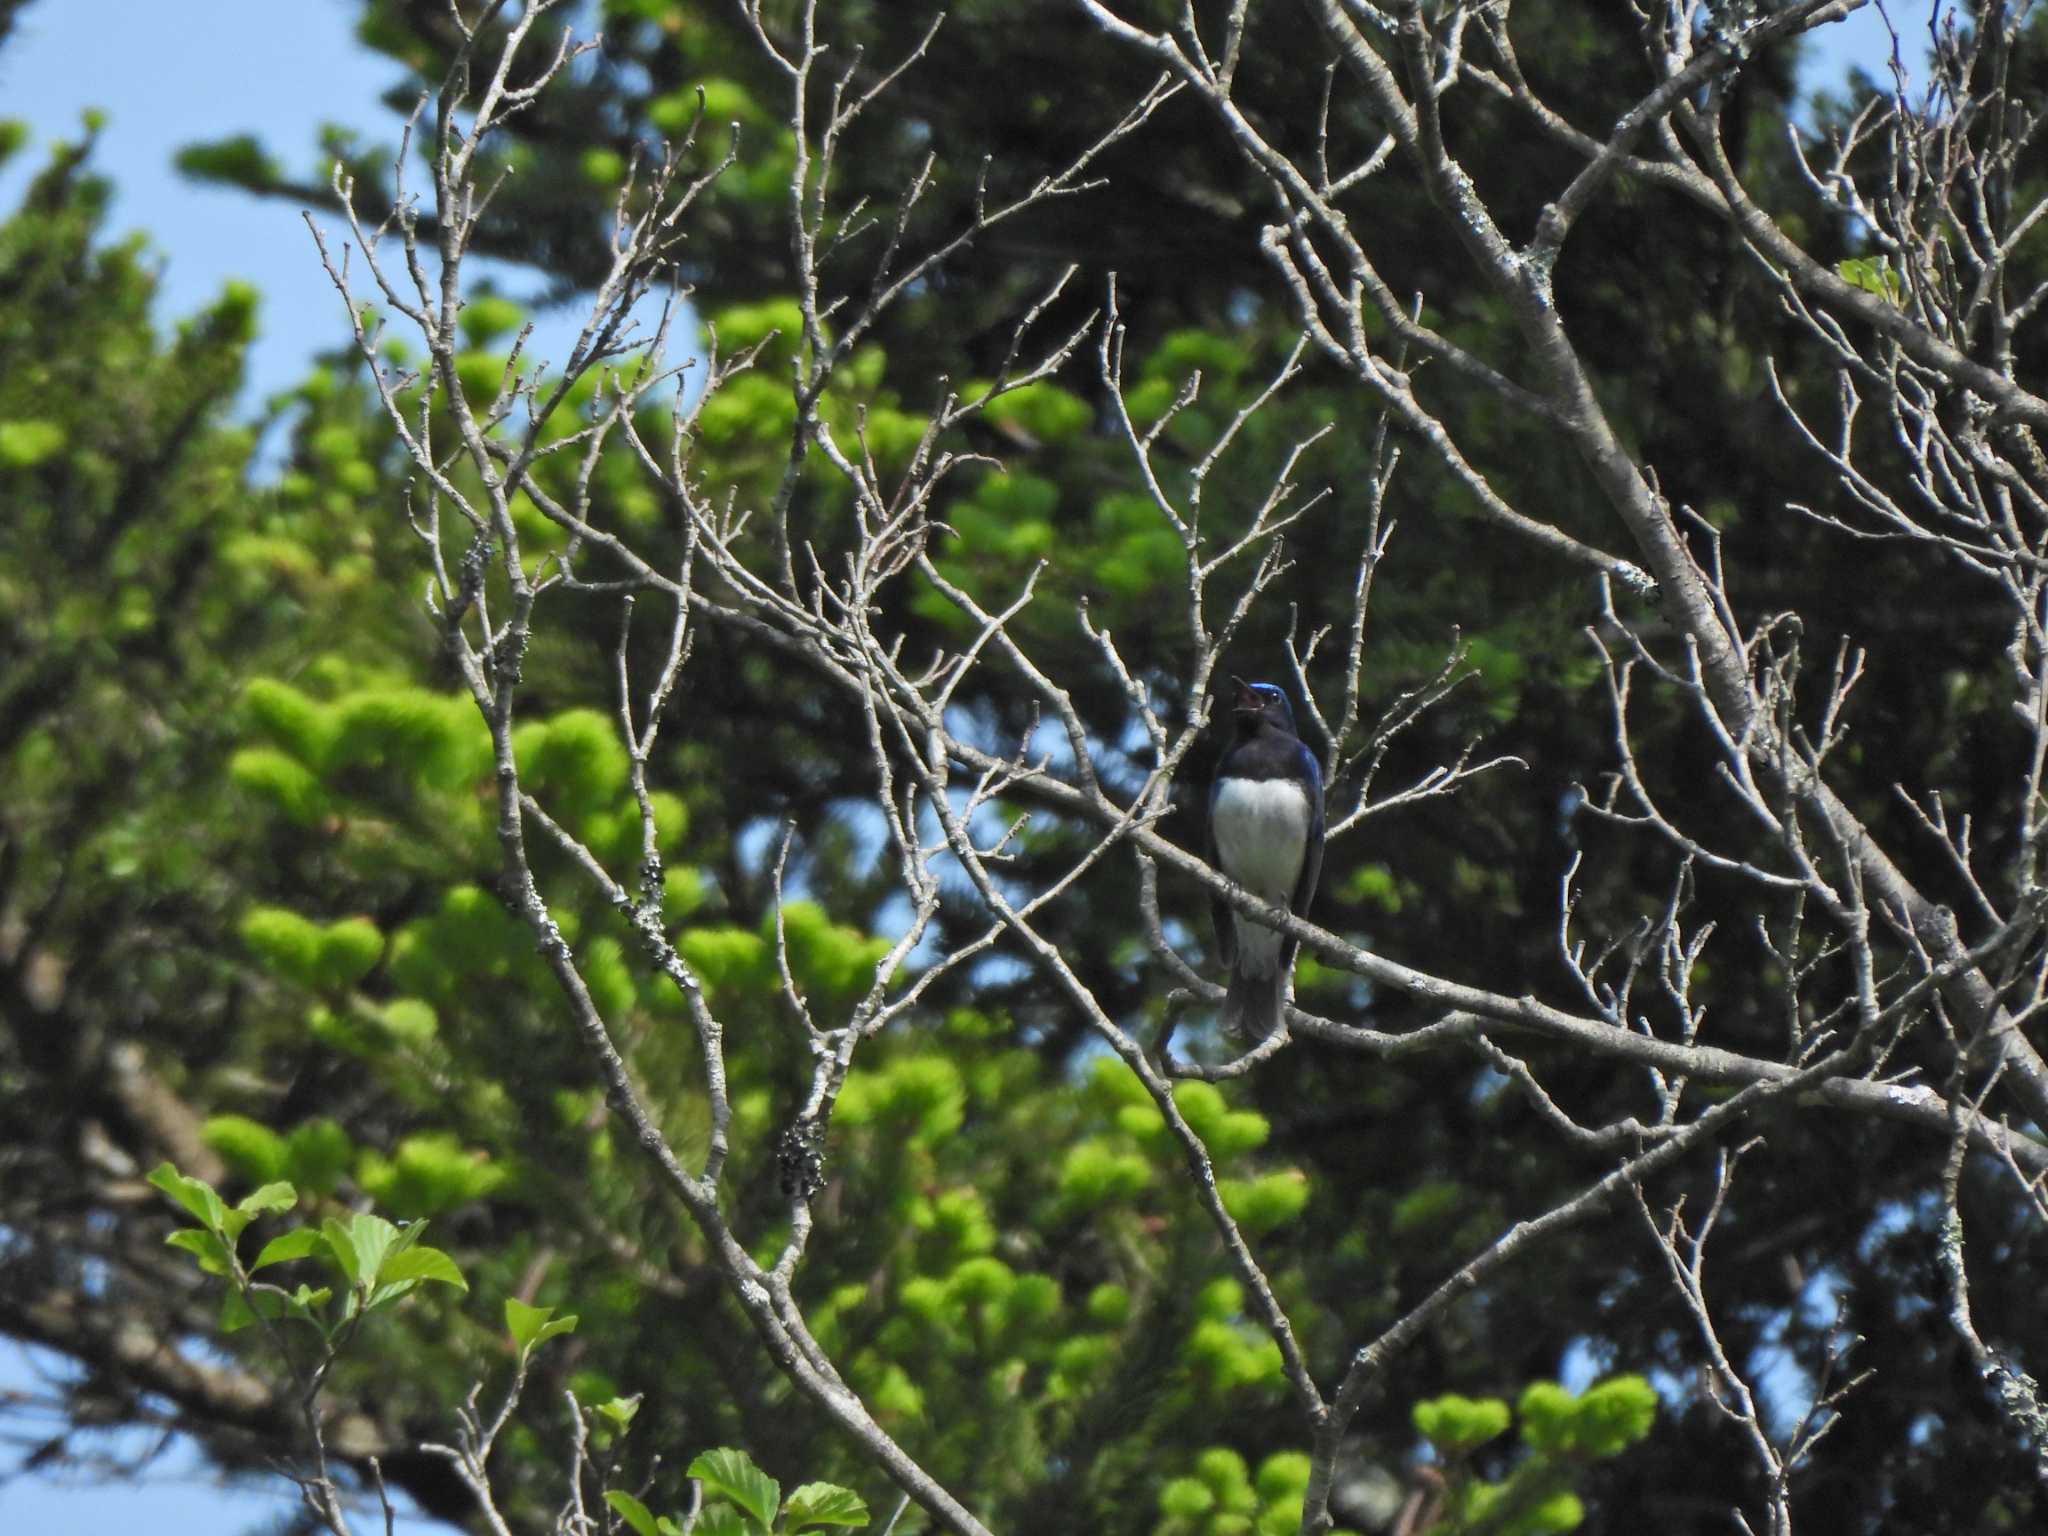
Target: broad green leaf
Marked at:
385, 1295
523, 1321
620, 1410
724, 1520
415, 1264
533, 1326
361, 1244
405, 1236
195, 1195
301, 1243
211, 1253
632, 1511
734, 1474
1873, 274
824, 1504
342, 1246
278, 1196
238, 1311
306, 1300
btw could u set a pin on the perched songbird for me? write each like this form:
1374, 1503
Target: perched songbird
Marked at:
1266, 833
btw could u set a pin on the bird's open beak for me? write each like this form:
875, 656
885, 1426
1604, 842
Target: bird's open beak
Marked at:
1247, 702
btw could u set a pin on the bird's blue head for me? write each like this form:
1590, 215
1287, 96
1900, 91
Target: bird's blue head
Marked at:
1261, 704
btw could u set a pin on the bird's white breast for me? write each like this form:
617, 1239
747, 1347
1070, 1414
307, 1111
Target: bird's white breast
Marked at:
1261, 828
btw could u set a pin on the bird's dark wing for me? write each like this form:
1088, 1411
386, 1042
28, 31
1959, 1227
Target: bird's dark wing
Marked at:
1312, 854
1219, 909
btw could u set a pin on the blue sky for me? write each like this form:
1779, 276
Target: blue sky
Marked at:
167, 73
170, 74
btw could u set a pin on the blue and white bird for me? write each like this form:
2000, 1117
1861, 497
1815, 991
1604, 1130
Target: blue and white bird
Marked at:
1266, 833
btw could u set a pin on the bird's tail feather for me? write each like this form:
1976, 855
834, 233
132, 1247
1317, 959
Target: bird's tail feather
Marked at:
1251, 1005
